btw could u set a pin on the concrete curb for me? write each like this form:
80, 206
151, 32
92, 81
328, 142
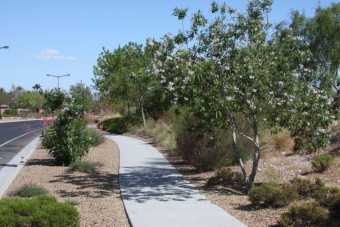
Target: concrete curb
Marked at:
18, 120
9, 172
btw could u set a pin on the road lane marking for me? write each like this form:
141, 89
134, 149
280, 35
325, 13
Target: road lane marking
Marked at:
19, 137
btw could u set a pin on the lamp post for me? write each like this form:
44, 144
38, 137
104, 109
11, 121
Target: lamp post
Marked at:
57, 77
4, 47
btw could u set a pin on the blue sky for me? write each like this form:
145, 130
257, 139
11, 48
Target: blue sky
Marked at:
66, 36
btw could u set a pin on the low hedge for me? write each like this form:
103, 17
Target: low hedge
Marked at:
43, 210
11, 113
120, 125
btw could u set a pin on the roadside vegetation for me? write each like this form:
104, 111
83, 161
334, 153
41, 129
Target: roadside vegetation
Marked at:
43, 210
30, 190
232, 91
223, 92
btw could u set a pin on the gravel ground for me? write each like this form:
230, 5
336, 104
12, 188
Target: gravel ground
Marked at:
235, 202
99, 198
97, 193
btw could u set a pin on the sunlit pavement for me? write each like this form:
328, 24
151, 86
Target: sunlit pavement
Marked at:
155, 194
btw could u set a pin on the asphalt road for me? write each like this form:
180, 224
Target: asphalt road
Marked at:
16, 135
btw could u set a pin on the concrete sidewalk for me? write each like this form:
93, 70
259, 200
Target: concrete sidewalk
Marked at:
155, 194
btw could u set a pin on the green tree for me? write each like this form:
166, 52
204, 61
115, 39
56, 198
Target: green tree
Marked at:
15, 93
84, 93
233, 68
30, 100
54, 99
125, 76
322, 32
5, 98
37, 88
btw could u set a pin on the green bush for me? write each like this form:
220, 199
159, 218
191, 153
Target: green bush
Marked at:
68, 138
334, 207
30, 190
84, 166
322, 162
308, 214
306, 188
11, 113
272, 195
67, 142
325, 196
225, 176
38, 211
96, 136
120, 125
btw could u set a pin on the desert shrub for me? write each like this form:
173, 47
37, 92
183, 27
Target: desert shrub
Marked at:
335, 134
306, 214
38, 211
67, 142
96, 136
84, 166
30, 190
225, 176
280, 141
162, 132
334, 207
208, 151
306, 188
322, 162
120, 125
67, 139
326, 195
272, 195
11, 113
317, 190
272, 174
203, 153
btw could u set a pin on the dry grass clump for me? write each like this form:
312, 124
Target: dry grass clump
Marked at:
279, 142
162, 132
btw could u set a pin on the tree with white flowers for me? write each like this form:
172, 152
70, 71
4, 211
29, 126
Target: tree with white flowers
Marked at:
230, 67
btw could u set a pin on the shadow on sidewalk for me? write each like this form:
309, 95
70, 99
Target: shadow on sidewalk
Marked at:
156, 181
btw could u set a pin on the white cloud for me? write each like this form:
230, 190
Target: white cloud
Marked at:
48, 54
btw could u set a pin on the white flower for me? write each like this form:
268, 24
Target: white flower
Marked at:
151, 43
251, 77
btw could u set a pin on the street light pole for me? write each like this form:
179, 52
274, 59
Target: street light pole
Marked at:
57, 77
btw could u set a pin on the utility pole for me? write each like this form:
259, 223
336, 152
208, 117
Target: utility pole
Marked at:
57, 77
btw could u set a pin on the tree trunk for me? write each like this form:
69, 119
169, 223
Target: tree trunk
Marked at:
0, 112
141, 104
237, 152
256, 157
128, 108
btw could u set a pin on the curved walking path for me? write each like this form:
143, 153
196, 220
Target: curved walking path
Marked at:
155, 194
